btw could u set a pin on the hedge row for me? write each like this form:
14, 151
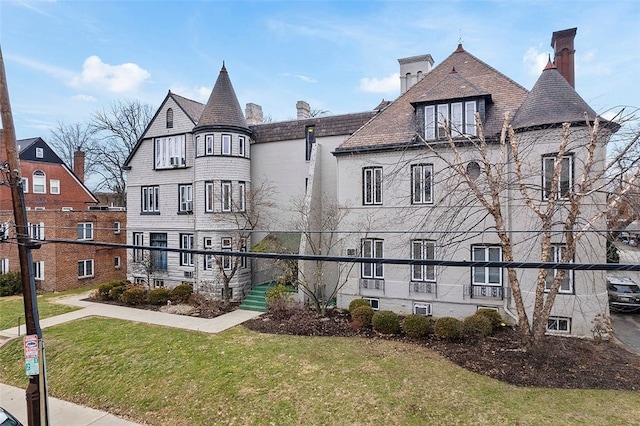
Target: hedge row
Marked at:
132, 294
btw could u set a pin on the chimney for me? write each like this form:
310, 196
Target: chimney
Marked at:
562, 43
78, 165
413, 69
253, 114
304, 110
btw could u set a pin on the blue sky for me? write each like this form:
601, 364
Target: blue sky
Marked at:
66, 59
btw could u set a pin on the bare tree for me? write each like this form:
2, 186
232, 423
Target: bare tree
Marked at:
144, 262
117, 130
66, 139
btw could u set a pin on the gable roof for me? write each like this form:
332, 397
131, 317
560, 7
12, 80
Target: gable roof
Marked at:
193, 109
28, 151
396, 125
222, 108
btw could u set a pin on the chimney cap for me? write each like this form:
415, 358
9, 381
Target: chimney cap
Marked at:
568, 33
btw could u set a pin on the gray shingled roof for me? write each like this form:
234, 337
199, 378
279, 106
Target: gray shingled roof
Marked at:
192, 108
396, 125
552, 101
222, 108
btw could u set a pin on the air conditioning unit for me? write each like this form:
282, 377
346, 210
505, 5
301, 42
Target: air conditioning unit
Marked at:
422, 309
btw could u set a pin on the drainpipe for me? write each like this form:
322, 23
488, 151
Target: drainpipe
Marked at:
505, 304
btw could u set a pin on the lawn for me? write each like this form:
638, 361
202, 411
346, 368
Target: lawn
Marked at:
164, 376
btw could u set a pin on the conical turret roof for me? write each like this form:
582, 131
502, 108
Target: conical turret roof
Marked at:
222, 108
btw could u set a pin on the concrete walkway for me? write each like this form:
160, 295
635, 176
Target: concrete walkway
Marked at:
64, 413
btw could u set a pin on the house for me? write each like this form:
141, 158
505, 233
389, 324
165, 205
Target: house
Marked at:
60, 207
400, 170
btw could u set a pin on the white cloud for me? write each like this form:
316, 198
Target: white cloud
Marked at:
385, 85
39, 66
535, 61
301, 77
114, 78
200, 94
84, 98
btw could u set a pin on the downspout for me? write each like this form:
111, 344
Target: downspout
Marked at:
505, 303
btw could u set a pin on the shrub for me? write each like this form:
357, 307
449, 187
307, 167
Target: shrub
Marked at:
476, 325
133, 295
494, 317
279, 292
281, 309
355, 303
448, 328
105, 289
386, 322
116, 291
417, 326
159, 296
362, 315
10, 284
181, 293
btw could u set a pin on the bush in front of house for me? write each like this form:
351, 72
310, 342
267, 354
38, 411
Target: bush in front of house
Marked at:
386, 322
355, 303
476, 326
448, 328
181, 293
494, 317
361, 316
116, 291
104, 291
278, 293
159, 296
417, 326
134, 295
10, 284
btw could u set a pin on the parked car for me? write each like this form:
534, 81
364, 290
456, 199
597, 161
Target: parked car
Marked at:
624, 294
6, 419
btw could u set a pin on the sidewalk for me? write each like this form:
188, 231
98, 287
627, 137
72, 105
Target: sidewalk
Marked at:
62, 413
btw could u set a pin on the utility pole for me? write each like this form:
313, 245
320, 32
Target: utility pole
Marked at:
36, 390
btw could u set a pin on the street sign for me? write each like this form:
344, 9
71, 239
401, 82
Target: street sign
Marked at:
31, 355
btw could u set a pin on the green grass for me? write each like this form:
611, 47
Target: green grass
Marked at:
12, 307
163, 376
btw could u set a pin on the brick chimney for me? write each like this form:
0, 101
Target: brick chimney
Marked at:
253, 114
78, 165
562, 43
304, 110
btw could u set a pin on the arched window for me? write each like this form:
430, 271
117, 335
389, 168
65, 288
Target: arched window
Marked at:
39, 182
170, 118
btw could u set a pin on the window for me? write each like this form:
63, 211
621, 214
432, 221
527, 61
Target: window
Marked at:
421, 184
208, 197
54, 186
375, 303
39, 153
241, 146
158, 283
25, 185
565, 179
39, 182
116, 262
225, 245
4, 266
170, 118
557, 251
442, 120
186, 243
487, 275
423, 250
186, 198
242, 201
372, 185
226, 144
116, 227
372, 248
36, 231
559, 324
459, 116
85, 231
470, 118
226, 196
422, 309
310, 139
243, 248
150, 199
170, 152
159, 257
208, 145
4, 231
138, 240
85, 268
38, 270
208, 258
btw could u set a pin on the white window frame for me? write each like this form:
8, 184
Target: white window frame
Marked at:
423, 250
374, 302
208, 145
138, 240
116, 262
186, 243
430, 122
150, 199
54, 186
241, 146
86, 268
422, 184
557, 251
85, 231
185, 193
116, 227
39, 182
38, 270
372, 248
457, 123
207, 243
226, 244
39, 152
489, 274
25, 185
226, 196
170, 152
470, 109
242, 196
372, 186
209, 197
442, 120
4, 266
559, 325
225, 148
565, 180
36, 230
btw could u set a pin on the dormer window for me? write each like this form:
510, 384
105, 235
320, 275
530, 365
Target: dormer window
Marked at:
458, 117
39, 153
170, 118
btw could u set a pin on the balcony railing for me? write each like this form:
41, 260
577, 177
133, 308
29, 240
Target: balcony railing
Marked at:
486, 291
422, 287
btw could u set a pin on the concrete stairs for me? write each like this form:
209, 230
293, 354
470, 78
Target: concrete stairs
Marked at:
256, 299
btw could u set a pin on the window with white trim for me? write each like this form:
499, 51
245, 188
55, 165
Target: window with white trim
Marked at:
226, 245
208, 258
170, 118
85, 230
242, 196
85, 268
170, 152
226, 144
54, 186
208, 145
186, 243
36, 230
555, 255
116, 227
39, 182
38, 270
226, 199
565, 178
116, 262
372, 248
423, 250
138, 240
487, 275
372, 185
559, 324
243, 248
150, 199
209, 198
242, 146
186, 198
375, 303
4, 266
39, 153
25, 185
422, 184
458, 116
